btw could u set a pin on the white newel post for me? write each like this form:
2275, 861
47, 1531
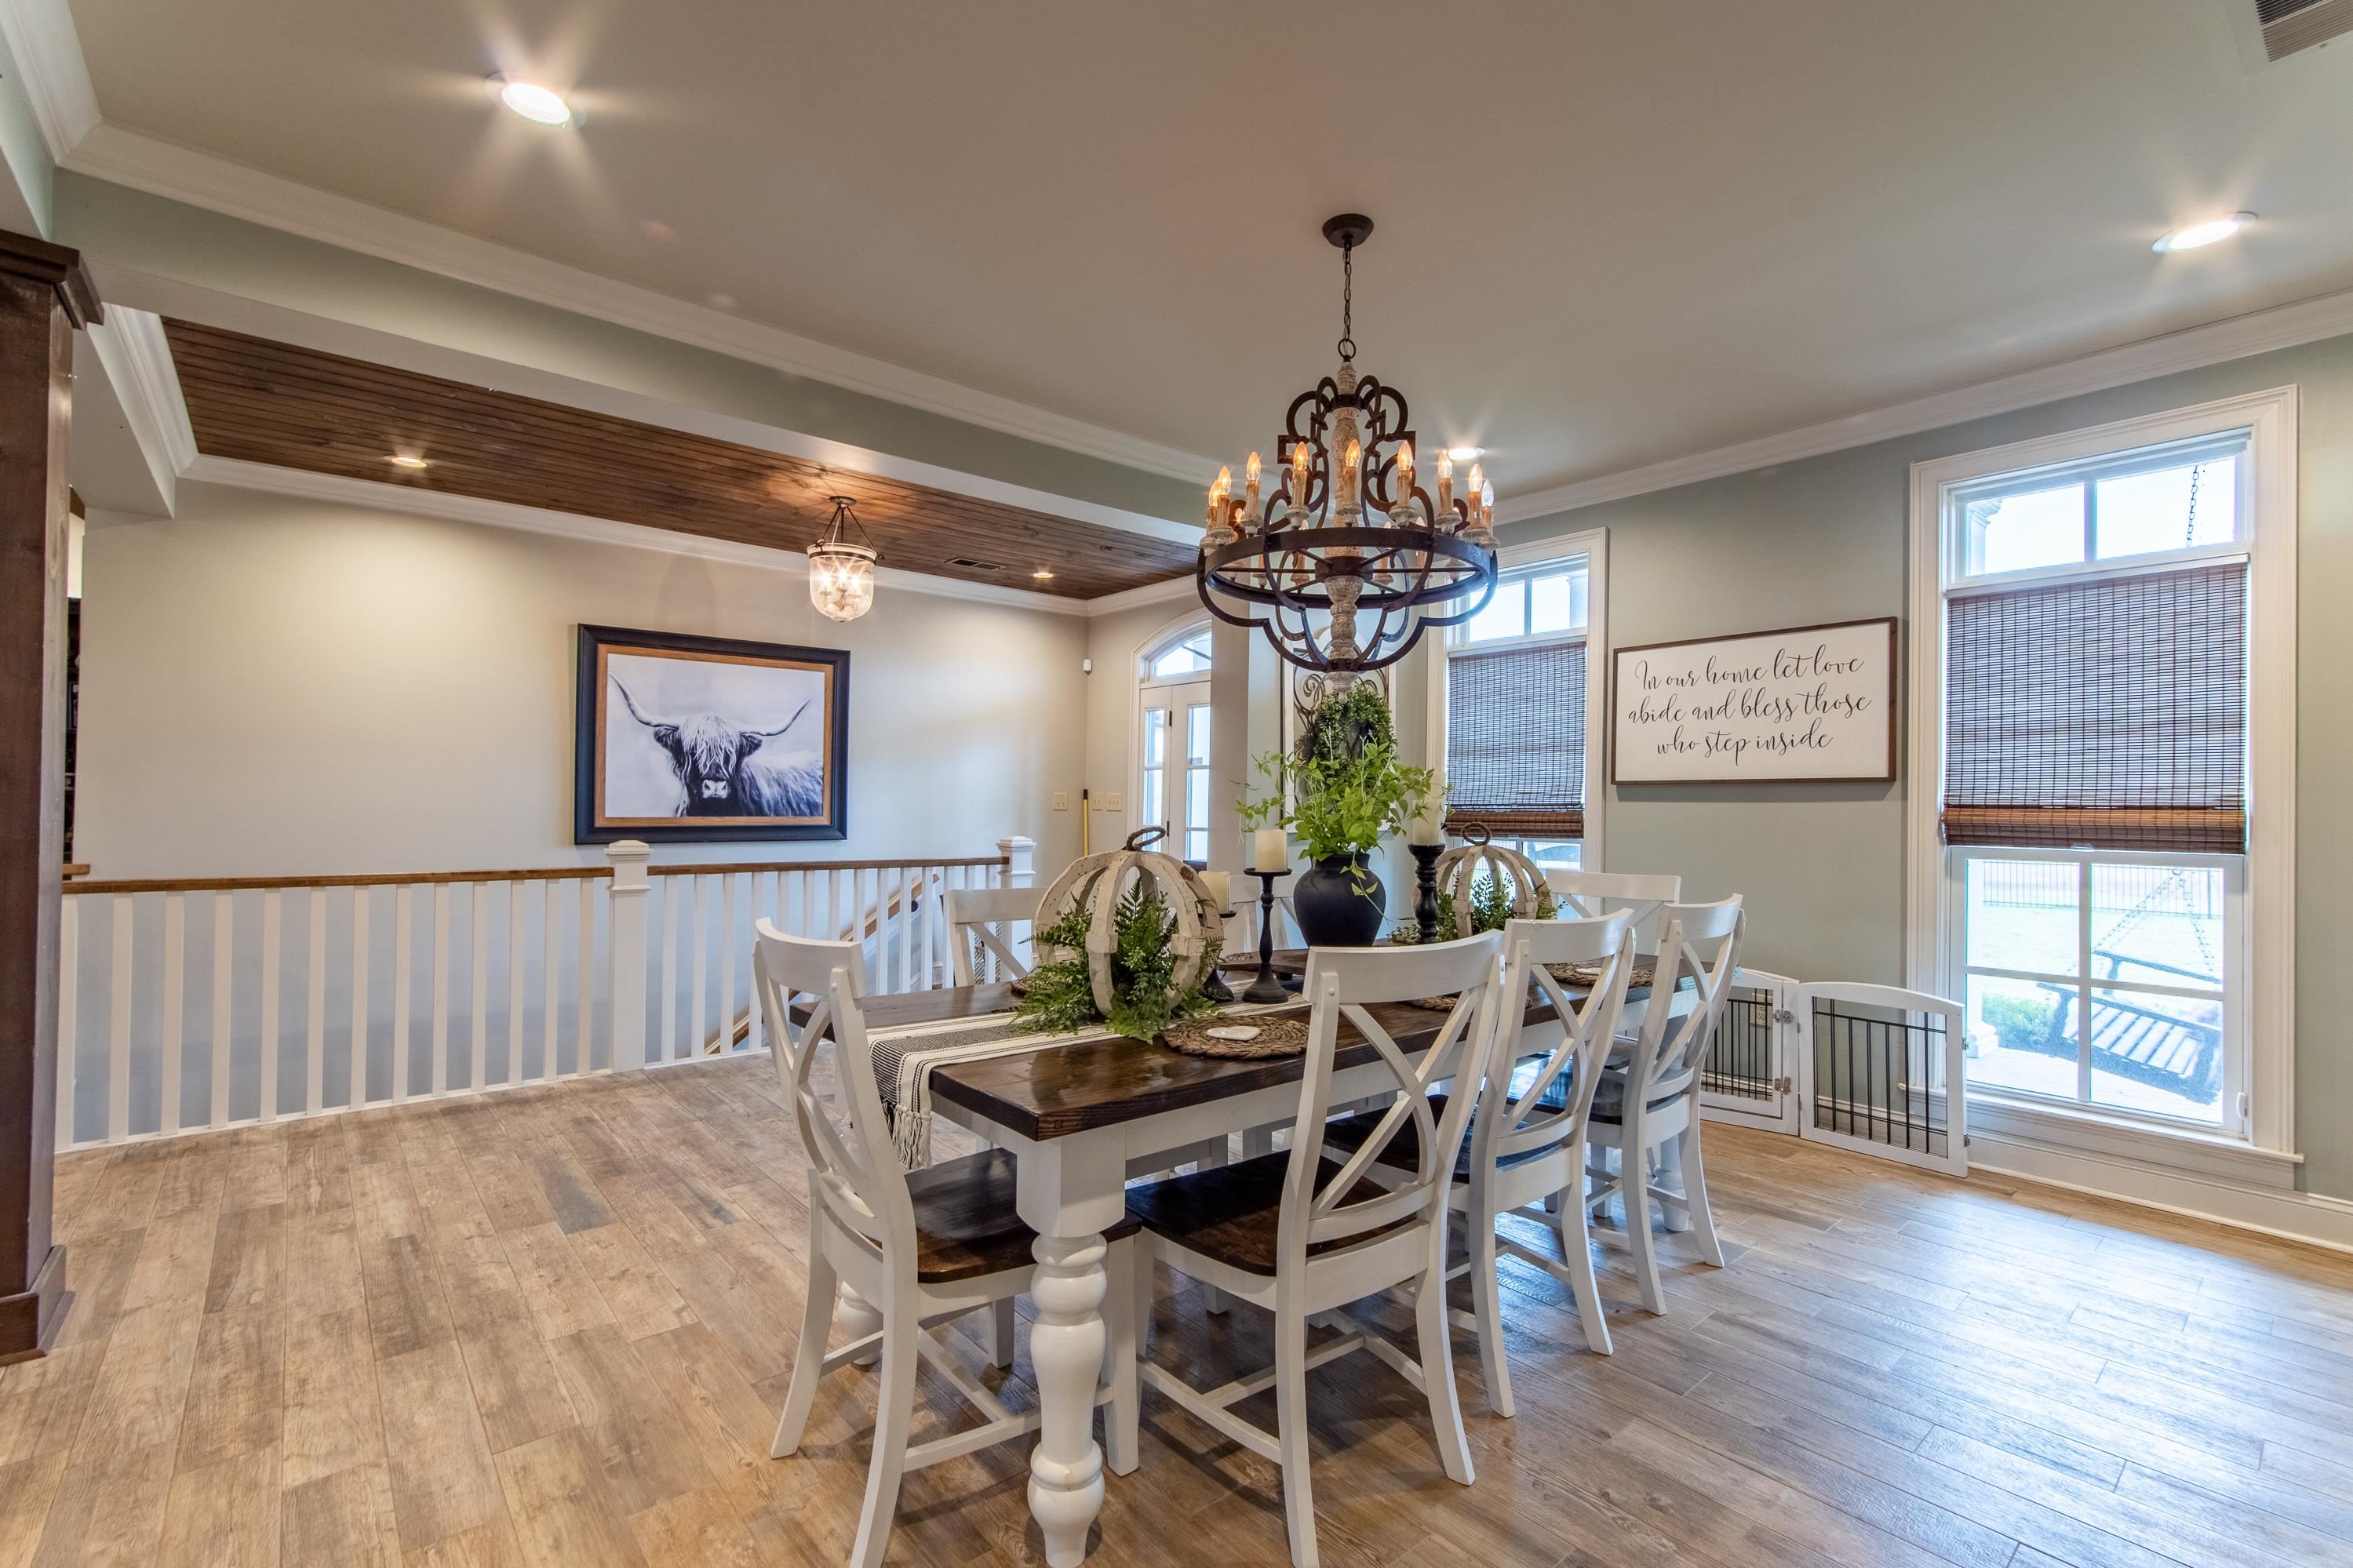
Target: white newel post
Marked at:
1021, 860
629, 858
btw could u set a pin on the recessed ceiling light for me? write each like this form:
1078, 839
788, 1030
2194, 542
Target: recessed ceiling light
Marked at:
406, 460
2197, 233
1042, 574
721, 301
1466, 453
542, 105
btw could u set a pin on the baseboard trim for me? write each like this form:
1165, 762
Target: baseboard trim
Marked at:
2308, 1217
29, 1320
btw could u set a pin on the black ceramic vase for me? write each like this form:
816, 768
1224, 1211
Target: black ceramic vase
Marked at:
1338, 902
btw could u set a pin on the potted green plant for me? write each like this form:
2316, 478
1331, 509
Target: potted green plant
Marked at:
1341, 807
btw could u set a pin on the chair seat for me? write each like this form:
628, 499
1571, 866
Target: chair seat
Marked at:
1230, 1214
1404, 1151
1609, 1099
964, 1219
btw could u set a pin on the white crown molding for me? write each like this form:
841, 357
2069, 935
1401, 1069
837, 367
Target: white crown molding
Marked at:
1149, 593
388, 497
138, 360
180, 173
2260, 332
41, 38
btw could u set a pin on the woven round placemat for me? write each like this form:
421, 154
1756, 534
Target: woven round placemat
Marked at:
1645, 971
1435, 1004
1275, 1038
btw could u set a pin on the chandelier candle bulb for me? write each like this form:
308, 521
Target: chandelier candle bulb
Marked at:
1249, 489
1445, 484
1302, 472
1402, 490
1352, 473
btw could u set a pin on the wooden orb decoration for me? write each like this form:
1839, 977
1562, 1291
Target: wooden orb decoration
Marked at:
1457, 871
1096, 883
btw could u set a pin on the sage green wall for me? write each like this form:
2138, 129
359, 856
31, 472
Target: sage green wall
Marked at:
1825, 539
113, 225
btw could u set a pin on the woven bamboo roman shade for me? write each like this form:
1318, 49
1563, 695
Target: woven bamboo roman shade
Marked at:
2109, 714
1516, 741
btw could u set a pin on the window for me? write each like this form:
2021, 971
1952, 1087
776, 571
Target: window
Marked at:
1190, 656
1516, 685
2090, 636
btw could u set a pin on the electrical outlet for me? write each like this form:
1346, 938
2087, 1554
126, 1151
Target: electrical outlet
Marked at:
1061, 800
1113, 802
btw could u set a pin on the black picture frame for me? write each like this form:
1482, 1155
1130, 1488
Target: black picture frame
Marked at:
715, 795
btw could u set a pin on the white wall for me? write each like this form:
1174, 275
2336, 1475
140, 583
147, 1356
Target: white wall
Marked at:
273, 686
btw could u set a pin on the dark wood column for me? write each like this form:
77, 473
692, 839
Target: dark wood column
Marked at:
44, 295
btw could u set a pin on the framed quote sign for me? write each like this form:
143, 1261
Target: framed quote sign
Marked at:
1808, 704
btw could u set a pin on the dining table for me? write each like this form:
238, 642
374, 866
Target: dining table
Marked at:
1077, 1114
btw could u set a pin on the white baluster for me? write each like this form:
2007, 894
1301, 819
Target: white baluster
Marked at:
672, 918
697, 1036
904, 881
224, 967
518, 915
317, 1064
360, 903
727, 936
551, 980
438, 1079
118, 1045
224, 984
273, 919
477, 916
172, 1044
584, 978
404, 982
69, 1015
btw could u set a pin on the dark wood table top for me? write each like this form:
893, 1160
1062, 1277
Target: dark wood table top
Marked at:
1101, 1080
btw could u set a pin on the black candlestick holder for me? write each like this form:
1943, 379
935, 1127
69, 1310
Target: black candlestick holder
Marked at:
1425, 882
1215, 987
1266, 988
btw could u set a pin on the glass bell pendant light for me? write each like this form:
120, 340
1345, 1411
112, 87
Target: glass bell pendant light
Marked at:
841, 573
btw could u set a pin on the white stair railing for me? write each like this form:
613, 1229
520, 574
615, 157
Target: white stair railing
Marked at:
196, 1003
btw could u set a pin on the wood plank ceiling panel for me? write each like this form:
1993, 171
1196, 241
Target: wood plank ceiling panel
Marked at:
265, 402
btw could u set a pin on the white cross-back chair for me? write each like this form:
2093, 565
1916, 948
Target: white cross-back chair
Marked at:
1528, 1140
1653, 1100
915, 1249
1588, 895
1302, 1236
984, 917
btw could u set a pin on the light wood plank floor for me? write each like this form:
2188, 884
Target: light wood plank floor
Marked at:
553, 1327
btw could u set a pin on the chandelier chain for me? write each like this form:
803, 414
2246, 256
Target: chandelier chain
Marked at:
1347, 343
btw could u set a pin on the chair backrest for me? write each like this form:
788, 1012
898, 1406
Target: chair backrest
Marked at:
1516, 1125
856, 1175
1343, 984
1700, 943
974, 913
1589, 894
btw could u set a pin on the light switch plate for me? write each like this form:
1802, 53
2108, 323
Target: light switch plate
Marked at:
1061, 800
1114, 803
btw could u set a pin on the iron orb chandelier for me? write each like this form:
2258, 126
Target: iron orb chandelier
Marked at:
1349, 537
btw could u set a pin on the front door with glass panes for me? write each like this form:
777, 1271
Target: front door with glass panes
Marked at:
1173, 744
1174, 792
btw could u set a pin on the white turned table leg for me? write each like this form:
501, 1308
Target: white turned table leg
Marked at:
855, 1317
1066, 1356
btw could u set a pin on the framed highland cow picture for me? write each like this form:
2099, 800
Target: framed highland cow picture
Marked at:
684, 740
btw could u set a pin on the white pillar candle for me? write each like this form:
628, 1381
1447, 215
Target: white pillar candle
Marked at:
1426, 826
1221, 890
1269, 850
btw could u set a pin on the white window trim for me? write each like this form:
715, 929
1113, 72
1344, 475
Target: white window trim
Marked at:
2270, 543
1593, 544
1140, 679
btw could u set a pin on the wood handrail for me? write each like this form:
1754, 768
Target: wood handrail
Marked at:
528, 874
903, 863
